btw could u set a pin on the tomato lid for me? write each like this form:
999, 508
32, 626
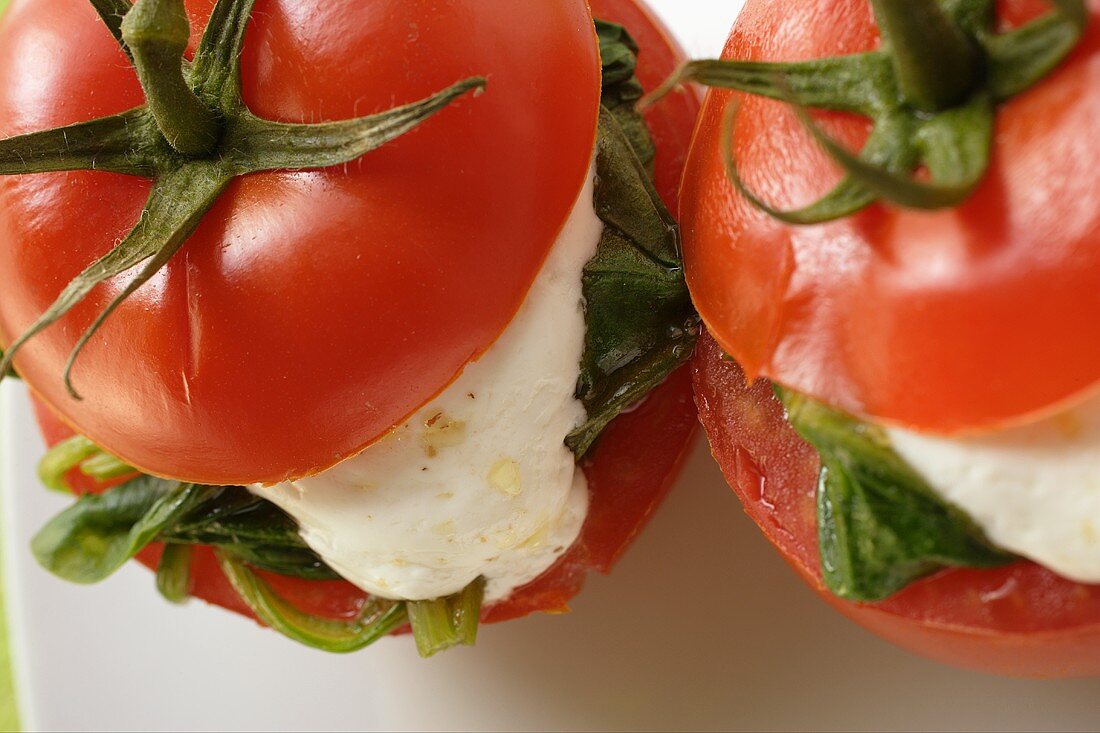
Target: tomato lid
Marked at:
311, 311
960, 319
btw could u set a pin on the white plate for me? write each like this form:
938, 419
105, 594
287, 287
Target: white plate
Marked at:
701, 627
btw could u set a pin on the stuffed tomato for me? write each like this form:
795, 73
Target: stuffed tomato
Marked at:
350, 317
892, 234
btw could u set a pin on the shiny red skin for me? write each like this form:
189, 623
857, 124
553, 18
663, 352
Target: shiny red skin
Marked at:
311, 311
1021, 620
962, 319
632, 467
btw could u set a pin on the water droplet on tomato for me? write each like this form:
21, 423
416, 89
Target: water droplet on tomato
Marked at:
751, 478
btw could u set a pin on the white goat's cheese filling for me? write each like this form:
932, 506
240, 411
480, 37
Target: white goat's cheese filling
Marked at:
1034, 489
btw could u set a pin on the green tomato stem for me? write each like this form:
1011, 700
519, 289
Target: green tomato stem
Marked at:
937, 65
157, 32
178, 138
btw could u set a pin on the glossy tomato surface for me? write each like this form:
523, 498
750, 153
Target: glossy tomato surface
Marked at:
961, 319
629, 472
1019, 620
311, 311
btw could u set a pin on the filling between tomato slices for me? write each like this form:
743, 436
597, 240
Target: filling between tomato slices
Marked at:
1033, 489
895, 505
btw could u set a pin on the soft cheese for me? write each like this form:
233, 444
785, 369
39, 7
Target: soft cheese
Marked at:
1034, 489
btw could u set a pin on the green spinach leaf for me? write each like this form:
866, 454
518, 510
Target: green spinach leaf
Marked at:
252, 530
62, 458
443, 623
621, 88
640, 323
880, 525
92, 539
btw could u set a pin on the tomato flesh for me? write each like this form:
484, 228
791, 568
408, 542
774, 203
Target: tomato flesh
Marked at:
311, 311
965, 319
632, 467
1020, 620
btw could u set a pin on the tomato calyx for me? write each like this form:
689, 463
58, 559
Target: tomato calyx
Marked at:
193, 136
932, 91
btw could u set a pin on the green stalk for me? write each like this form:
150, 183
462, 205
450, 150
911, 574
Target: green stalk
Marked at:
467, 611
174, 572
448, 622
156, 32
62, 458
433, 626
378, 618
936, 64
104, 467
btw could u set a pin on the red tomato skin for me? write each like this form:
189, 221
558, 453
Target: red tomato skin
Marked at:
311, 311
957, 320
631, 469
1021, 620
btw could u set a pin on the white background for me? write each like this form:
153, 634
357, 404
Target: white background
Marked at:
701, 627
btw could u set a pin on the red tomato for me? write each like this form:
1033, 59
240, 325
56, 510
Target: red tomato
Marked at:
960, 319
632, 467
311, 311
1020, 620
